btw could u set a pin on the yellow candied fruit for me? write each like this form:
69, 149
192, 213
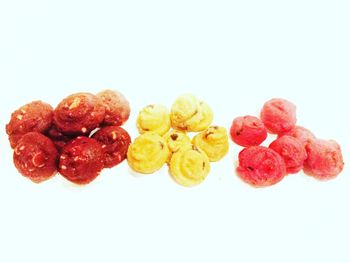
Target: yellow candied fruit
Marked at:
148, 153
154, 118
207, 117
177, 140
214, 142
189, 167
185, 113
190, 114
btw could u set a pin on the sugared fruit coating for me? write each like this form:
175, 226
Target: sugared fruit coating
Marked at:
115, 143
207, 117
190, 166
58, 138
81, 160
292, 151
260, 166
325, 159
279, 116
32, 117
176, 141
248, 131
35, 157
190, 114
148, 153
117, 107
79, 113
214, 142
301, 134
154, 118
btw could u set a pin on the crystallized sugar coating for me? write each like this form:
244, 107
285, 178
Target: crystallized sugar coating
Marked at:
207, 117
325, 160
81, 160
279, 116
190, 166
32, 117
260, 166
79, 113
117, 107
176, 141
292, 151
58, 138
301, 134
214, 142
248, 131
154, 118
148, 153
35, 157
189, 114
115, 143
185, 112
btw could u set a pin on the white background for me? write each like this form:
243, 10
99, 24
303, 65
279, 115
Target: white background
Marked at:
233, 54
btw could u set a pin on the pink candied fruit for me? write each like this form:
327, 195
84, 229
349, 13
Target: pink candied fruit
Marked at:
248, 131
325, 159
117, 107
292, 151
279, 115
260, 166
301, 134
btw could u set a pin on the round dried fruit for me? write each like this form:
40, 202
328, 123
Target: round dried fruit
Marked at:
35, 157
260, 166
81, 160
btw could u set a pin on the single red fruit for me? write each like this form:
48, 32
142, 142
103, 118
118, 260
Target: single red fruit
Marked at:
32, 117
81, 160
117, 107
248, 131
260, 166
292, 151
325, 159
279, 115
79, 114
115, 143
35, 157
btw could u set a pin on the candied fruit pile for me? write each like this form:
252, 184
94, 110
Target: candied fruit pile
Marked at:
78, 138
164, 139
295, 149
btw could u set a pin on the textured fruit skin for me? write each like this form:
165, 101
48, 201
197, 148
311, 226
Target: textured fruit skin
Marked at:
35, 157
190, 114
148, 153
292, 151
58, 138
32, 117
260, 166
154, 118
300, 133
325, 159
177, 140
117, 107
189, 167
81, 160
248, 131
279, 116
79, 114
213, 142
115, 143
